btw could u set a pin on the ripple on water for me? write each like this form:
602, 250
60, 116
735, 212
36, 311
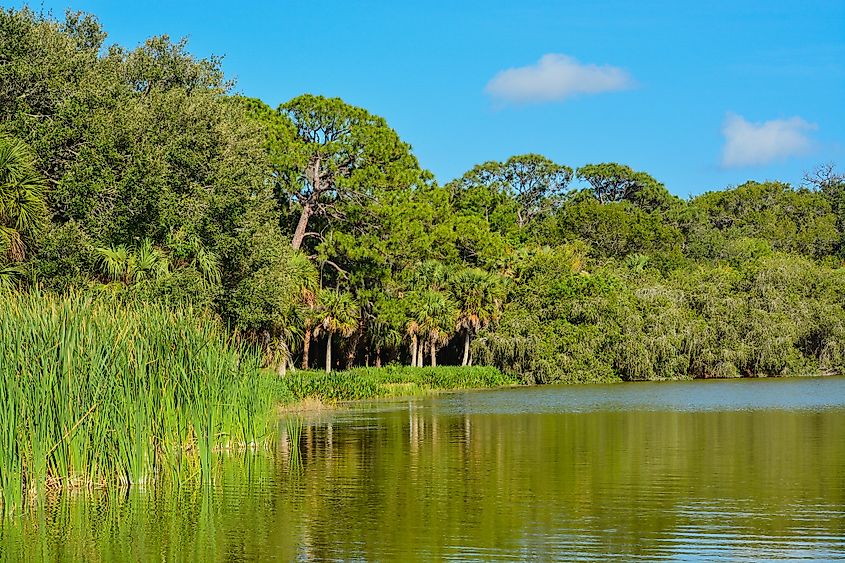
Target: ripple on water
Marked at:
703, 471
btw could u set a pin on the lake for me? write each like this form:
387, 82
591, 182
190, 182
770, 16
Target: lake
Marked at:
739, 470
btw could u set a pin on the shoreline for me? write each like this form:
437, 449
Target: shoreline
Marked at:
316, 404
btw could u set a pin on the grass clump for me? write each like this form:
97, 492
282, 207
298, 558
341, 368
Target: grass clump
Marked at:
96, 392
390, 381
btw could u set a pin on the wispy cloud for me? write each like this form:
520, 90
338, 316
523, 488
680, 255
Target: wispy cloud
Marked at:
556, 77
749, 144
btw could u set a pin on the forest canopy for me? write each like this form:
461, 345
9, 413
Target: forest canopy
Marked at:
312, 230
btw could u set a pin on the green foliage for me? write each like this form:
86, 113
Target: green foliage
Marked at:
141, 144
799, 221
616, 229
391, 381
776, 314
511, 194
312, 225
337, 313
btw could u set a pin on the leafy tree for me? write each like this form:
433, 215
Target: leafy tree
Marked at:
614, 183
270, 304
338, 154
522, 187
791, 220
615, 229
135, 144
831, 184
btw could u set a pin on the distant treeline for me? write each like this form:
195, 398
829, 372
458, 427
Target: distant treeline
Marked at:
312, 230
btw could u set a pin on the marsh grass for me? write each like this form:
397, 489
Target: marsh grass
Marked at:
95, 392
390, 381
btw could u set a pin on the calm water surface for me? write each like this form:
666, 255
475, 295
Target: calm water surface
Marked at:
715, 470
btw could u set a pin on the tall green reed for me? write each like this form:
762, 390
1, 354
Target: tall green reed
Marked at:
94, 391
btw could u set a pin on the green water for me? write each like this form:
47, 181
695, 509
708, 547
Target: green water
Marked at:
730, 470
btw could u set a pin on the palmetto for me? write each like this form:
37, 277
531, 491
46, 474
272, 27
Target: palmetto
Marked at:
131, 265
22, 191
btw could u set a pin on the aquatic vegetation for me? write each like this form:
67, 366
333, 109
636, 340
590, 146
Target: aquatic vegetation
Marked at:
390, 381
95, 392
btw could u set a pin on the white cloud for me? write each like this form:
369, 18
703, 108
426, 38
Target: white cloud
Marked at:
747, 144
556, 77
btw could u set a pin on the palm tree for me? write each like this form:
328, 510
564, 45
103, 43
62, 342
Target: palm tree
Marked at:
436, 320
410, 305
303, 277
292, 312
412, 329
337, 313
429, 276
22, 192
129, 266
479, 297
9, 273
432, 275
637, 262
384, 326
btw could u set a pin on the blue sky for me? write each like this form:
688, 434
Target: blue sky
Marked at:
701, 95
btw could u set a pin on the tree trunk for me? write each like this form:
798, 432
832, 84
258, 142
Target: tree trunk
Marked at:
316, 180
420, 353
378, 357
301, 226
466, 349
413, 350
306, 347
433, 354
329, 354
282, 370
351, 353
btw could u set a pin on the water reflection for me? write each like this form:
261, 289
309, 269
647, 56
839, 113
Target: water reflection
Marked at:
471, 477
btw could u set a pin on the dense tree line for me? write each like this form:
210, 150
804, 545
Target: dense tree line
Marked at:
312, 227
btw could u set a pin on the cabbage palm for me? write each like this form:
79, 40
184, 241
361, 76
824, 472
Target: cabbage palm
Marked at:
383, 335
22, 192
412, 329
479, 297
385, 317
303, 277
431, 275
337, 313
411, 326
436, 318
292, 311
185, 249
